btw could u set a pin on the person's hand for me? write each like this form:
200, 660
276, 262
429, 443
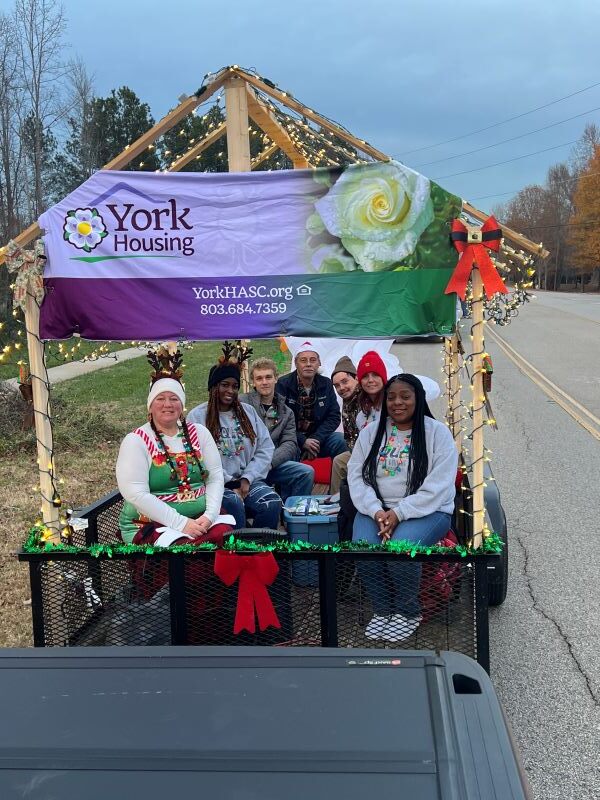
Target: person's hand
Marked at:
243, 488
389, 523
197, 527
312, 446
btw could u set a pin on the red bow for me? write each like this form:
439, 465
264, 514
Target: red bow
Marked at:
472, 246
255, 572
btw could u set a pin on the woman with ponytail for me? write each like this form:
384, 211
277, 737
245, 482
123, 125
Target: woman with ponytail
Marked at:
168, 471
401, 476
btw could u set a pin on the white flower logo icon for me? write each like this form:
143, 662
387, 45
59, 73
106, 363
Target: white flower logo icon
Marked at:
84, 228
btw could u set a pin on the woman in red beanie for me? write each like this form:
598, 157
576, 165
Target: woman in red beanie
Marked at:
372, 376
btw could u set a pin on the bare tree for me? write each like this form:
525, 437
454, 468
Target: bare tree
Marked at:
40, 25
10, 149
560, 185
584, 149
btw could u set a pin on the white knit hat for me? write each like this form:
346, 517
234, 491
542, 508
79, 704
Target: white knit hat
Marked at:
166, 385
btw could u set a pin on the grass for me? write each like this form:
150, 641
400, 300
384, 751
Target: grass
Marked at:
91, 415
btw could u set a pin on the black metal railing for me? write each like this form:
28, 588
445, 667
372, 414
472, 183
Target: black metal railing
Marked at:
320, 598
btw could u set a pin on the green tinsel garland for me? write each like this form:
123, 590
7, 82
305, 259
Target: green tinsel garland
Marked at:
35, 544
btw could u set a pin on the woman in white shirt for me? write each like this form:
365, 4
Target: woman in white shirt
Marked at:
401, 477
168, 471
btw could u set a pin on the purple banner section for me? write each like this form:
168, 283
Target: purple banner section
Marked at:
299, 305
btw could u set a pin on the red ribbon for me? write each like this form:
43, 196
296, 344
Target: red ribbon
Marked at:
474, 253
255, 573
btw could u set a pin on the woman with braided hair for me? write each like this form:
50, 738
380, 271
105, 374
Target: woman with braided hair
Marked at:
401, 477
168, 471
244, 443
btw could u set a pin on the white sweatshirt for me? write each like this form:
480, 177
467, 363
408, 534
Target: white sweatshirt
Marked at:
133, 468
437, 490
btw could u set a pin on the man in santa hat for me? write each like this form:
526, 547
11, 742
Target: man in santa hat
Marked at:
311, 397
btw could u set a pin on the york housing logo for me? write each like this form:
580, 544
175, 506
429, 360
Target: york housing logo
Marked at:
84, 228
132, 229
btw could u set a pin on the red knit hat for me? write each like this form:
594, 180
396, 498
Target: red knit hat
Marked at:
371, 362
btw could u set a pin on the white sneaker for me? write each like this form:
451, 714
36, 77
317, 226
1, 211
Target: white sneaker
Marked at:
399, 627
375, 628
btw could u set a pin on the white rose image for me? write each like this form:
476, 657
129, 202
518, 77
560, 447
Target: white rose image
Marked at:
84, 228
379, 211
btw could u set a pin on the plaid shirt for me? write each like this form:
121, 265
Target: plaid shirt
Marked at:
306, 406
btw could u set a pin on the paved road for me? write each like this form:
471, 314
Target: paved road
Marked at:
545, 639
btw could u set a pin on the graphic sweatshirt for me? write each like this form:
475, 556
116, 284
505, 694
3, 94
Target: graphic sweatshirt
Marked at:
253, 461
437, 490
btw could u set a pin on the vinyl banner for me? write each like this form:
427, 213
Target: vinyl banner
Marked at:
362, 251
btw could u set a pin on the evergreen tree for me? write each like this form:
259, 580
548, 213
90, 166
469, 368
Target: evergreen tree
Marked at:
117, 121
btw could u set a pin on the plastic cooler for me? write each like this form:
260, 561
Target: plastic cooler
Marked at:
313, 528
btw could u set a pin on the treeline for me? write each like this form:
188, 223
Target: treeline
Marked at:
564, 214
55, 131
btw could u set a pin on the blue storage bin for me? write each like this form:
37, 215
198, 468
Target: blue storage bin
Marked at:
314, 528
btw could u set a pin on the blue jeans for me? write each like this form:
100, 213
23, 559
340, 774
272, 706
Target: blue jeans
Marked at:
393, 586
262, 505
331, 446
292, 479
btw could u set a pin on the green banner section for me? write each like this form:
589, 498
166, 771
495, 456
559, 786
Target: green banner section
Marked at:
384, 304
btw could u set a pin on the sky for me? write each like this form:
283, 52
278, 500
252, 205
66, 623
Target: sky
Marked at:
406, 75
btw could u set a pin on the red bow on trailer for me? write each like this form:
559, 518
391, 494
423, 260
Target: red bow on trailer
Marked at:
471, 243
255, 572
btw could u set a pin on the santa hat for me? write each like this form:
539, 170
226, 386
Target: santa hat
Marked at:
371, 362
306, 347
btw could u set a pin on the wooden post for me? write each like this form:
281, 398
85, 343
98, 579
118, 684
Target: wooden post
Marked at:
41, 411
238, 154
478, 398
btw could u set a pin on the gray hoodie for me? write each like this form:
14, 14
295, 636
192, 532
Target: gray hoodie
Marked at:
254, 461
437, 491
284, 432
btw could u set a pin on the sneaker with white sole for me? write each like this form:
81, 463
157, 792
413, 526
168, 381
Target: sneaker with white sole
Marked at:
376, 627
399, 627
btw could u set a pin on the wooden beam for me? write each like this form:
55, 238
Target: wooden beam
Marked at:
198, 148
165, 124
238, 140
23, 239
508, 233
267, 153
238, 155
268, 122
304, 111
